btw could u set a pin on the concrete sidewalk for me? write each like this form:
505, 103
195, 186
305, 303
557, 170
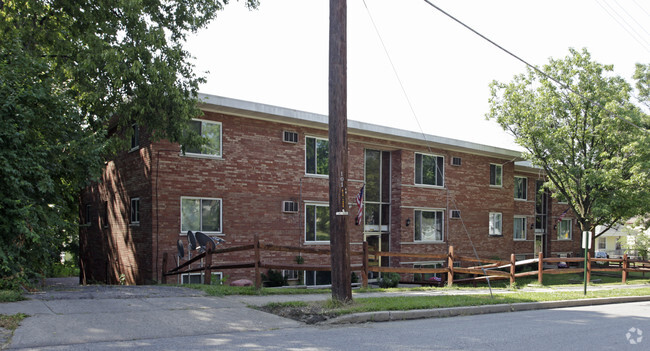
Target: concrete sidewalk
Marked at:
67, 314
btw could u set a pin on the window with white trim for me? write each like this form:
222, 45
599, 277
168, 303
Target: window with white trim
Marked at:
135, 136
521, 188
200, 215
495, 223
199, 277
290, 274
431, 277
519, 232
316, 156
564, 229
317, 223
602, 244
211, 131
135, 210
429, 225
429, 169
496, 175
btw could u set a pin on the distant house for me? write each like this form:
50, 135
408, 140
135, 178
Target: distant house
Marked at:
619, 239
265, 172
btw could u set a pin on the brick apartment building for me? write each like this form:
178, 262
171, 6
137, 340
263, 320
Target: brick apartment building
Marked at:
265, 172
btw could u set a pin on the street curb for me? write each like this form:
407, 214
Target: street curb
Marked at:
385, 316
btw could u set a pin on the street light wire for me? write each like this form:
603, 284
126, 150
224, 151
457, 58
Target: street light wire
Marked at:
562, 85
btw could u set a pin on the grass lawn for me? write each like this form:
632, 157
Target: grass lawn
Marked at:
313, 312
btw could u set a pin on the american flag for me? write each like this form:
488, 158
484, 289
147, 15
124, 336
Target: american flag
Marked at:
560, 218
360, 204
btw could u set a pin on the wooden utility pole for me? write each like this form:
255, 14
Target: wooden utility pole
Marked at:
338, 153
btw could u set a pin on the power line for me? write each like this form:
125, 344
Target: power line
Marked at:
562, 85
634, 35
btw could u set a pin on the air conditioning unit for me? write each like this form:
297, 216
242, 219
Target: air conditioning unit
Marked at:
455, 214
289, 207
290, 137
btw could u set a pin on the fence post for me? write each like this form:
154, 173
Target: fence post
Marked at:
588, 267
258, 277
364, 265
163, 277
512, 269
626, 264
540, 268
207, 279
450, 266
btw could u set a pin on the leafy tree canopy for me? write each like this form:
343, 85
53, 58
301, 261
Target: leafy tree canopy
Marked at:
68, 70
589, 138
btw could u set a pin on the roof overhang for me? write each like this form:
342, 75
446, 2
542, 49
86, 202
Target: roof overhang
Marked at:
278, 114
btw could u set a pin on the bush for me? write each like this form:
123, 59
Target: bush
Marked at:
274, 278
389, 280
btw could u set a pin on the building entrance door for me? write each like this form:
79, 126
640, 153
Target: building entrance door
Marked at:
376, 221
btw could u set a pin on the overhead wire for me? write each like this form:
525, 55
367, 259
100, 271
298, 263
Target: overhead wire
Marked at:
425, 140
636, 36
562, 85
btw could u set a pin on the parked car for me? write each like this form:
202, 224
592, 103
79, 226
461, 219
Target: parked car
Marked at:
601, 254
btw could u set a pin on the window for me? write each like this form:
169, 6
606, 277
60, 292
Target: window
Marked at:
456, 161
211, 131
564, 230
455, 214
521, 188
317, 223
197, 278
290, 274
429, 226
421, 277
496, 174
135, 137
200, 215
520, 229
135, 210
429, 169
316, 156
495, 223
602, 244
318, 277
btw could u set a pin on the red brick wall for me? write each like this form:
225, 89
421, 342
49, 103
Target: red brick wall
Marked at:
257, 171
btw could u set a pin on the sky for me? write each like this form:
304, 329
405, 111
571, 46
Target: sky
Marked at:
433, 75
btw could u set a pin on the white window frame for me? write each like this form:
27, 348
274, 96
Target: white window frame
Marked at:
315, 205
290, 274
498, 167
316, 139
514, 231
200, 229
603, 242
201, 153
415, 170
216, 276
492, 230
134, 211
417, 215
525, 179
569, 222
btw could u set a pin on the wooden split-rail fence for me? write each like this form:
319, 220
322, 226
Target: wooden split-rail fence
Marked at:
483, 269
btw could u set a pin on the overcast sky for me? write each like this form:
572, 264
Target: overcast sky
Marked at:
278, 55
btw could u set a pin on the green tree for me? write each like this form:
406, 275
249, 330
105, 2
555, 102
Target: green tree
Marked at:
69, 70
591, 141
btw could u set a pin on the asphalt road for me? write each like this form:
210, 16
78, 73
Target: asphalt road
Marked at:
174, 318
603, 327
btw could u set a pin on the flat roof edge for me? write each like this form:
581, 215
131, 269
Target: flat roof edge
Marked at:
258, 110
